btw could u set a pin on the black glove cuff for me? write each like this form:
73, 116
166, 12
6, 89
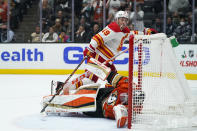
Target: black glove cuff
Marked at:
111, 76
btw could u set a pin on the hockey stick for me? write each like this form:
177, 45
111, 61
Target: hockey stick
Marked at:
114, 57
61, 88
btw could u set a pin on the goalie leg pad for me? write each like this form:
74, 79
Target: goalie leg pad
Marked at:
97, 68
70, 103
84, 99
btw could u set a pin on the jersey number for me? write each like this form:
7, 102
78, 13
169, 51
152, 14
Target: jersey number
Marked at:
106, 32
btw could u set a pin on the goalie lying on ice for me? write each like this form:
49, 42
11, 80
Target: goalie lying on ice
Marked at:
111, 102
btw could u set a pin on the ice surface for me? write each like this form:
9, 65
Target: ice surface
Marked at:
20, 97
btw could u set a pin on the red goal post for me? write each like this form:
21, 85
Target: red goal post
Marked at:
159, 96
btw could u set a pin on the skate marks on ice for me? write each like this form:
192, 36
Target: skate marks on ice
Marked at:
67, 122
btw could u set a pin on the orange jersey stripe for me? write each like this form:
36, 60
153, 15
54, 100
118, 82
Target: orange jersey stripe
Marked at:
101, 39
121, 42
105, 51
101, 47
98, 39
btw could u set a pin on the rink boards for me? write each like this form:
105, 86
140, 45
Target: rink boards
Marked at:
59, 58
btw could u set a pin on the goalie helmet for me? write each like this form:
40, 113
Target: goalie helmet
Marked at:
123, 14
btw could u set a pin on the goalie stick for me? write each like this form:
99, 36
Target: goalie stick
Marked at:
57, 93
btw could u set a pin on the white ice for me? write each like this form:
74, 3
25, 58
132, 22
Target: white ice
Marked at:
20, 97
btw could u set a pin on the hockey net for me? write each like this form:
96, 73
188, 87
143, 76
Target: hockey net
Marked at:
167, 101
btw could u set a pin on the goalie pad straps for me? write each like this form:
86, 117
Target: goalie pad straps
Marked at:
114, 78
97, 68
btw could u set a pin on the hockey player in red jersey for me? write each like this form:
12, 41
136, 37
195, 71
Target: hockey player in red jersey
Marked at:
105, 45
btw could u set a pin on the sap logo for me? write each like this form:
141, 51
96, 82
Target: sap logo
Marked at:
23, 55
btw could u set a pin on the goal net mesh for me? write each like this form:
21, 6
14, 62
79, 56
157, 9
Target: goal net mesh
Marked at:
159, 96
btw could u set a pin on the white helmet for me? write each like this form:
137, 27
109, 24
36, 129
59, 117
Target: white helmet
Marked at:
123, 14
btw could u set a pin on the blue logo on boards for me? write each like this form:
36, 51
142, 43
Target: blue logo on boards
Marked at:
71, 58
74, 55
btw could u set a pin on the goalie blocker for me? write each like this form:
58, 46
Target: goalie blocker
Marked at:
99, 102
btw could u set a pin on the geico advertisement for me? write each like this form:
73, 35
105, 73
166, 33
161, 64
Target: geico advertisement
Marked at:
187, 57
48, 56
